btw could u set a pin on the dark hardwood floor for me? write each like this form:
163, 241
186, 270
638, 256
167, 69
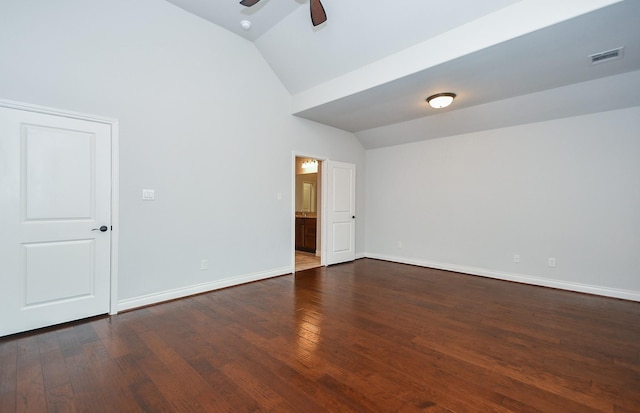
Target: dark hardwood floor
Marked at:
369, 336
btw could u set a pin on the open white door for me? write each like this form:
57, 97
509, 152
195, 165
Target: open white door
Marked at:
55, 198
341, 212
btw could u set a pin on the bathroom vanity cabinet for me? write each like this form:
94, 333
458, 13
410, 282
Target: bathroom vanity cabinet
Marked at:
306, 234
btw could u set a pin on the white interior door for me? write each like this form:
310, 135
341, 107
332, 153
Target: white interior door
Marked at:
341, 212
55, 189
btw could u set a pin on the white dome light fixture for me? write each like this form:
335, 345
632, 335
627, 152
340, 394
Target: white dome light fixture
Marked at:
245, 24
441, 100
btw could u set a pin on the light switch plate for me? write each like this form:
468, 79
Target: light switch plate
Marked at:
148, 194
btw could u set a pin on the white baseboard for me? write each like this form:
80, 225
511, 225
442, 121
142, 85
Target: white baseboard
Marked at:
159, 297
521, 278
156, 298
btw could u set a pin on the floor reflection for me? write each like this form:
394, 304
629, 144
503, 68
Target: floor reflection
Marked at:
308, 315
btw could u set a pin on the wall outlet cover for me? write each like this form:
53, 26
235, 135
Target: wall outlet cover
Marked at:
148, 194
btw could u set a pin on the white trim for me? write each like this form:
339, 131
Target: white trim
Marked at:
182, 292
115, 214
292, 247
520, 278
115, 176
55, 111
324, 191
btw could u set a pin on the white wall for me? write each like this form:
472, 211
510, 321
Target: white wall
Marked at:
196, 104
567, 189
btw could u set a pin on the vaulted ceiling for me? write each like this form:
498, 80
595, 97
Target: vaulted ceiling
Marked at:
369, 68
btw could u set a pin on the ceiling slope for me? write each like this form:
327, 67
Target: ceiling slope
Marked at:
229, 13
359, 33
369, 69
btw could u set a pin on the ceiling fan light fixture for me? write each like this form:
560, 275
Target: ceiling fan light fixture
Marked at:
318, 15
441, 100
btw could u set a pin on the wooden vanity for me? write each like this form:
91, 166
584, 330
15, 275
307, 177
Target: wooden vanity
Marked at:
306, 233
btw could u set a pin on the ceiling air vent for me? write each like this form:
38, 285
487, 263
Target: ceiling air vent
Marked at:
606, 56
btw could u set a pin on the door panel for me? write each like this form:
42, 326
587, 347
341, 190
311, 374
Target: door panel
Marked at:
341, 212
74, 258
67, 193
55, 175
342, 181
342, 237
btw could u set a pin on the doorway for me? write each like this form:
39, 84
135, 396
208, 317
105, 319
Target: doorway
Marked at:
308, 216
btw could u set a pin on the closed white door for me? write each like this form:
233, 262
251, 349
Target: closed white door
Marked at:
55, 194
341, 212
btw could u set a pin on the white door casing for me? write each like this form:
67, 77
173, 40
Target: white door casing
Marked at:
55, 180
341, 210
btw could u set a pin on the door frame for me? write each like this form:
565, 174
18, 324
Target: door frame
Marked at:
113, 123
323, 200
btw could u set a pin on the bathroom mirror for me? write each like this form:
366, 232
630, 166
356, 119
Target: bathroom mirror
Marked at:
306, 193
309, 196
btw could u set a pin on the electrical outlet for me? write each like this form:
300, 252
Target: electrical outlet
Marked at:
551, 262
204, 265
516, 258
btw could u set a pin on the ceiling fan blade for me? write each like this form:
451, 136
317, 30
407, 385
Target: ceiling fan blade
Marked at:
249, 3
318, 15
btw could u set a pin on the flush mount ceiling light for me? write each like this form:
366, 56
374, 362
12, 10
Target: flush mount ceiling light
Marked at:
440, 100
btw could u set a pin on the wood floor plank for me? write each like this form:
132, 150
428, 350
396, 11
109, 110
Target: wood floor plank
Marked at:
250, 358
30, 394
178, 381
58, 389
148, 397
367, 336
88, 395
8, 374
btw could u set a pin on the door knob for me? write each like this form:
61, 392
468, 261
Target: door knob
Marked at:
103, 228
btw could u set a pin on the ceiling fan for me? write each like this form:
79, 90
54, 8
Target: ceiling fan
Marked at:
318, 15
